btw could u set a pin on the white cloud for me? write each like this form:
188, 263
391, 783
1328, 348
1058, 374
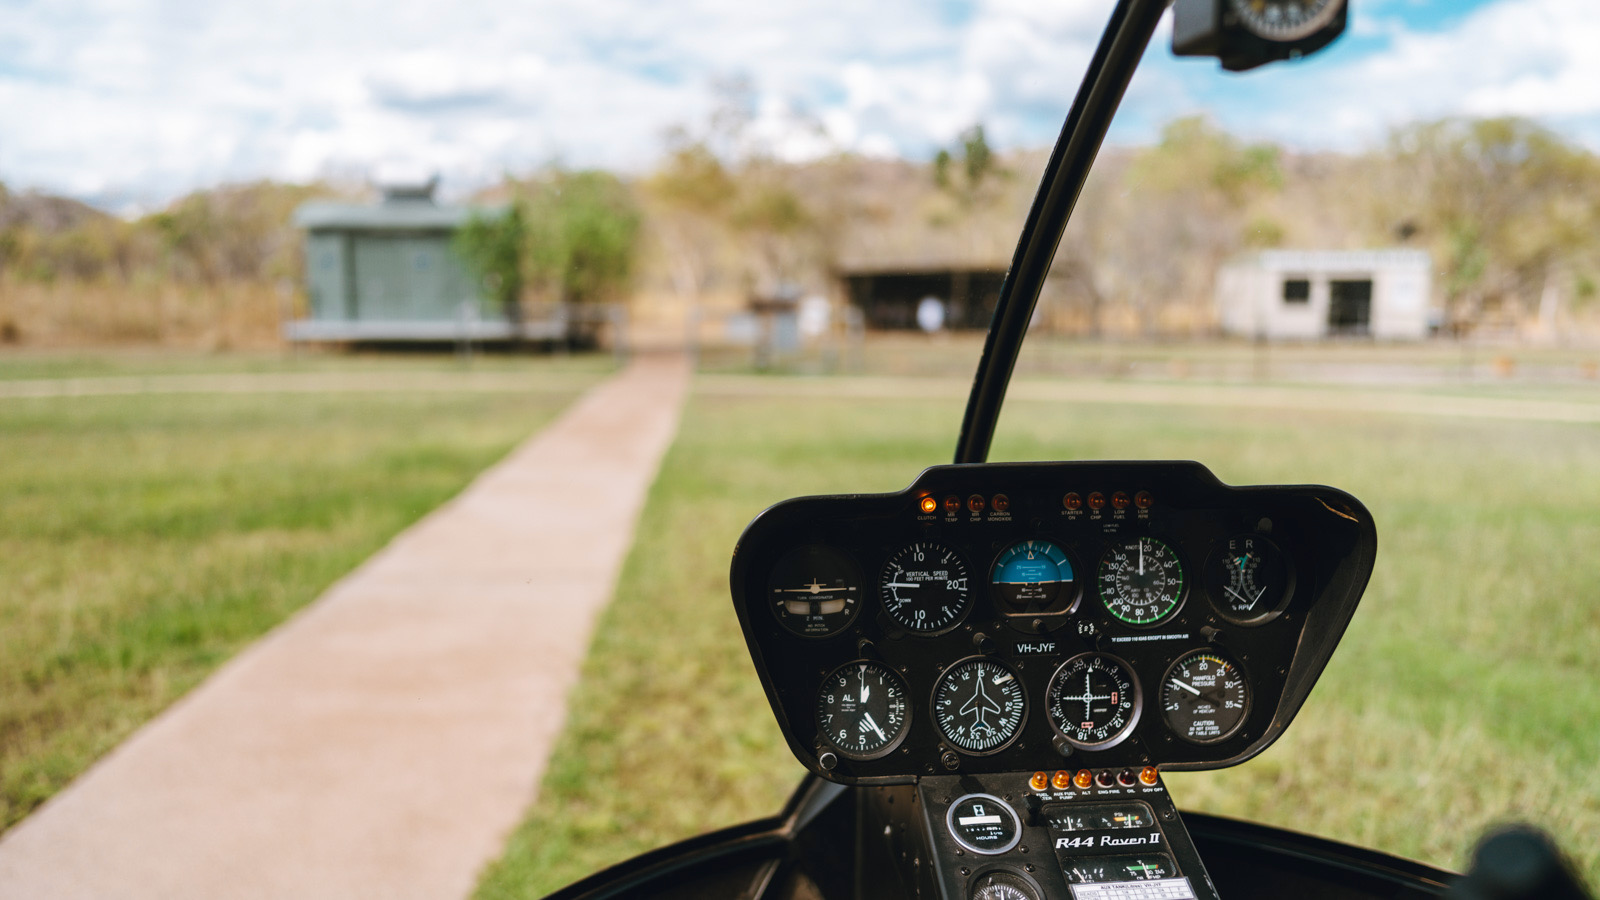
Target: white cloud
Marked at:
118, 99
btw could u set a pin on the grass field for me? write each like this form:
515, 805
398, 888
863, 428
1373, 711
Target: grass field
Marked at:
1466, 691
144, 539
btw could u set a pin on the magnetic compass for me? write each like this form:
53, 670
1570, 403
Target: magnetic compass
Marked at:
1285, 20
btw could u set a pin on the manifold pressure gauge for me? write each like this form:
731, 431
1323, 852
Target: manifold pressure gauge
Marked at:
1285, 20
861, 709
1205, 697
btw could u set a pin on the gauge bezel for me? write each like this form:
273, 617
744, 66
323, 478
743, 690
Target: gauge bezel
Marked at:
1054, 619
950, 823
1216, 564
968, 597
1133, 716
1249, 695
853, 611
933, 709
1318, 21
1184, 581
900, 736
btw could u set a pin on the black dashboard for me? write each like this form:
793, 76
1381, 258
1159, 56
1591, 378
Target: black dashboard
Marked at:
1035, 617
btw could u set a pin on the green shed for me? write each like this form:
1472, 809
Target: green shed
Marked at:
388, 272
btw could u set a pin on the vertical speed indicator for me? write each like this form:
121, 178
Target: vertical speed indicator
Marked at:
925, 589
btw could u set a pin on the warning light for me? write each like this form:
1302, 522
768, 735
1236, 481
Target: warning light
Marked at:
1105, 779
1039, 781
1072, 501
1143, 500
1000, 503
1097, 500
1062, 780
1083, 779
1148, 775
929, 504
1120, 500
952, 504
976, 503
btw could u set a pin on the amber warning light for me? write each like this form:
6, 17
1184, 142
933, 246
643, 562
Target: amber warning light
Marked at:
929, 504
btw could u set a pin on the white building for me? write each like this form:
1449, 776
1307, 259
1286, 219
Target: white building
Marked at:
1313, 294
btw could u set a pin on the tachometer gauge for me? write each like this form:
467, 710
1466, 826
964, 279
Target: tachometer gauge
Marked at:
924, 588
1033, 578
1204, 697
1141, 581
815, 591
979, 705
1003, 886
861, 709
1285, 20
1093, 700
1249, 580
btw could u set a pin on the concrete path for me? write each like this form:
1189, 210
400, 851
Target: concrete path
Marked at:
384, 741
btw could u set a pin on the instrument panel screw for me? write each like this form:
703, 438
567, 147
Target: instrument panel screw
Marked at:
950, 760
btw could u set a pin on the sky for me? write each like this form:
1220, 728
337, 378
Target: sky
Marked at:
127, 104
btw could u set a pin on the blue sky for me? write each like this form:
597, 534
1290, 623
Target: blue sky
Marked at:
127, 103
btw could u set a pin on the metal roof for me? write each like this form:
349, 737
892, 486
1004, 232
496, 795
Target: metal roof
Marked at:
395, 215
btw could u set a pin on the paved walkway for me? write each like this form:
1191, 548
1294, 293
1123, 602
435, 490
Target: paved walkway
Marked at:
384, 741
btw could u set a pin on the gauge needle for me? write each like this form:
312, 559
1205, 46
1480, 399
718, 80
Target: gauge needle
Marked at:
865, 690
1242, 598
1258, 597
1189, 688
1141, 557
868, 721
900, 584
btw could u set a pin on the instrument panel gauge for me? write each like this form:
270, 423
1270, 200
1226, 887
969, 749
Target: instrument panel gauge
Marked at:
1285, 20
924, 588
1141, 581
979, 705
1093, 700
1249, 580
1002, 885
862, 710
815, 591
983, 823
1102, 869
1032, 578
1204, 697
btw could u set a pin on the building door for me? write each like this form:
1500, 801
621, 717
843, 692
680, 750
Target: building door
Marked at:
1350, 307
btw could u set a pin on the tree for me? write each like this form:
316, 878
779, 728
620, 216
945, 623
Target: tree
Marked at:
582, 234
493, 248
1506, 205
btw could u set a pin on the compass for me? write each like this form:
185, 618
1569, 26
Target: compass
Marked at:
979, 705
1285, 20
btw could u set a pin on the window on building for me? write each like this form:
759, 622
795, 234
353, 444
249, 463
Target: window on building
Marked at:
1297, 290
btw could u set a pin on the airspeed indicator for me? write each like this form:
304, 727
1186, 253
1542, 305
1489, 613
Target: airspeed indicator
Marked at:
1141, 581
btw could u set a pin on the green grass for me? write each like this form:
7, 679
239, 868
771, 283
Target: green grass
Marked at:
1466, 691
145, 539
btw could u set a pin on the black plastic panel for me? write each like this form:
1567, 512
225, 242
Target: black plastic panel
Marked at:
1326, 535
